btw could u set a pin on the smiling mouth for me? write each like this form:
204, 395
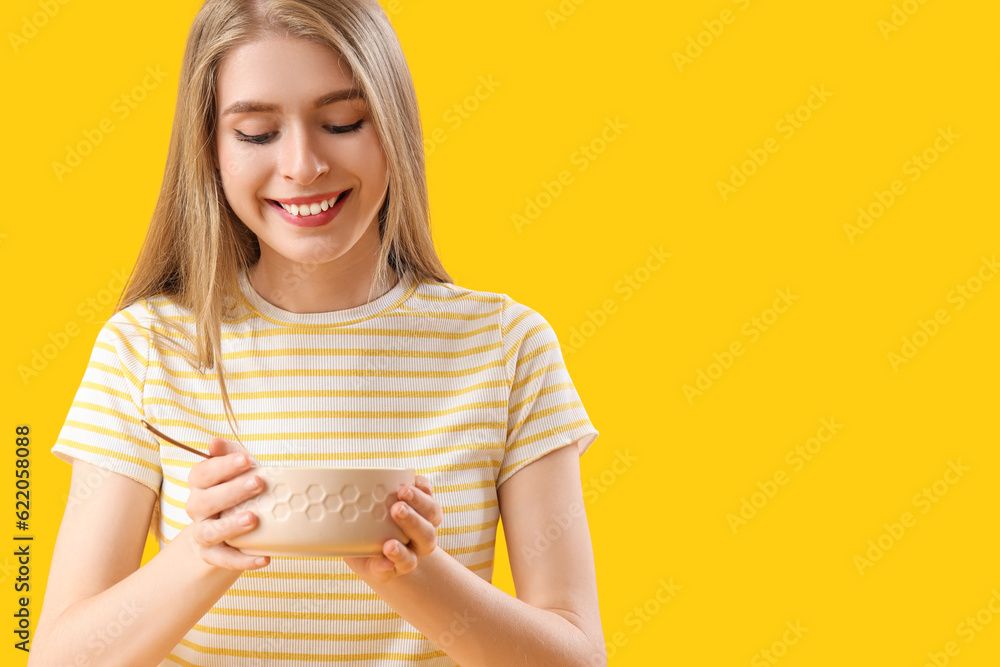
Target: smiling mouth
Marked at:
313, 208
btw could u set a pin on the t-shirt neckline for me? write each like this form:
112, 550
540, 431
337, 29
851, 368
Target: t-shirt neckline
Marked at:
392, 299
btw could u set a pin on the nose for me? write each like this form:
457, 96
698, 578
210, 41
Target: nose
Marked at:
301, 158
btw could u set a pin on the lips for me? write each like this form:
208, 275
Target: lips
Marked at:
305, 206
309, 199
302, 215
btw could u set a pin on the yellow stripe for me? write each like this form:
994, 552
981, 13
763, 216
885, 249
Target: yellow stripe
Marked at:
544, 391
457, 530
110, 370
330, 435
128, 374
468, 507
464, 486
325, 393
541, 414
303, 615
303, 595
108, 453
307, 576
481, 566
170, 501
173, 524
541, 435
181, 661
311, 636
106, 390
139, 327
347, 352
94, 407
538, 373
458, 551
464, 295
176, 482
311, 657
324, 373
118, 435
331, 414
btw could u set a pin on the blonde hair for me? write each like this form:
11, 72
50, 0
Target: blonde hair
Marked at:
196, 245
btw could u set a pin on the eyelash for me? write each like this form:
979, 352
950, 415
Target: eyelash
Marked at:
261, 139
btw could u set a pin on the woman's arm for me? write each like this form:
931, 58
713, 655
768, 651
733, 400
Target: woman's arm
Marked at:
555, 618
100, 607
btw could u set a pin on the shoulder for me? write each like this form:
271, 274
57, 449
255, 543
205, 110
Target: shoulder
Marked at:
516, 320
134, 325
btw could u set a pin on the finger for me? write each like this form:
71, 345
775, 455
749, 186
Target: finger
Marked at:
424, 503
423, 536
402, 558
220, 497
423, 484
234, 559
211, 471
212, 532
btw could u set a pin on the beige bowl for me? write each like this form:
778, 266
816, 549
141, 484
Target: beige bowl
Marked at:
317, 511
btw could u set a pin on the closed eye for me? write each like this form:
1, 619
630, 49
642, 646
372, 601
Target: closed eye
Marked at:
332, 129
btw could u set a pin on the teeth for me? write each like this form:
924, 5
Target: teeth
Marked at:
303, 210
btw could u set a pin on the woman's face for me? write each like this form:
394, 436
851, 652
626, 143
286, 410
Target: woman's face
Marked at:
289, 140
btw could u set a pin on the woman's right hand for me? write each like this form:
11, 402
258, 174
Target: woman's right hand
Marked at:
218, 484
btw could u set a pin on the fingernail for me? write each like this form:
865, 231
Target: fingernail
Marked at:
251, 483
403, 491
242, 460
260, 561
246, 519
401, 511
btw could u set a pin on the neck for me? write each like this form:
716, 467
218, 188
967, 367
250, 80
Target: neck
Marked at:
317, 288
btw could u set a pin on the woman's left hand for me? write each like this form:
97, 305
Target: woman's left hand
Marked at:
420, 517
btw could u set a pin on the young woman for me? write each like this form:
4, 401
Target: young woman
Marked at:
288, 304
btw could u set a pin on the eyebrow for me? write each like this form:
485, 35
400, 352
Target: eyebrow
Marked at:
250, 106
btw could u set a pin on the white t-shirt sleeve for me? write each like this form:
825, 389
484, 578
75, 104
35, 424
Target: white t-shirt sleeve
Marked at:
102, 426
544, 408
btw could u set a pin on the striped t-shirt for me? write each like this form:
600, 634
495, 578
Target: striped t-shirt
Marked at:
466, 387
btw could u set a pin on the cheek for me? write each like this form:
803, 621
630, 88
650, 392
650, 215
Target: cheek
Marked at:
372, 163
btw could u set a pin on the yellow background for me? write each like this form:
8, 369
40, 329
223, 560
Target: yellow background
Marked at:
662, 519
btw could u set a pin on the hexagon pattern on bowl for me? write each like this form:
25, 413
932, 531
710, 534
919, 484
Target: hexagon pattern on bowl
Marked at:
317, 501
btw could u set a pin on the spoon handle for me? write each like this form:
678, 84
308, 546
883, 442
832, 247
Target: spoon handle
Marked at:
155, 432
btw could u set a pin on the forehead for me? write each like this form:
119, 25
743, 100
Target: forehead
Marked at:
275, 68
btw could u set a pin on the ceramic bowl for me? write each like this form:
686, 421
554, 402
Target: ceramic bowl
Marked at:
318, 511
